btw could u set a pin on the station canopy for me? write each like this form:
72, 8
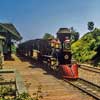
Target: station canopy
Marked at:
8, 30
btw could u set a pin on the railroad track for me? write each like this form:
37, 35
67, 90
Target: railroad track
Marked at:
90, 68
84, 85
87, 87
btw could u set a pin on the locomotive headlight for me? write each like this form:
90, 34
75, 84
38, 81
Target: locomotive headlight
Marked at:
66, 56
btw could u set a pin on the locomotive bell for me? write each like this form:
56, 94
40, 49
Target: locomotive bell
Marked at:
63, 33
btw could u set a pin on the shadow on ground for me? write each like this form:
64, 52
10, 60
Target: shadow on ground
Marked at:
9, 59
35, 64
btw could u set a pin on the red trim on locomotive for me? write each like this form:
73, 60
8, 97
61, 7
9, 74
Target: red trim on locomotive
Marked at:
70, 71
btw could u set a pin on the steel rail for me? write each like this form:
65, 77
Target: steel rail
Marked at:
87, 67
87, 87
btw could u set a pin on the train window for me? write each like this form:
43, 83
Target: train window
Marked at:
66, 44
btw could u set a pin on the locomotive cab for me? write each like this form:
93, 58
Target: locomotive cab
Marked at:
64, 36
69, 70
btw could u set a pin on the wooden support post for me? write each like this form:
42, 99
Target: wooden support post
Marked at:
1, 54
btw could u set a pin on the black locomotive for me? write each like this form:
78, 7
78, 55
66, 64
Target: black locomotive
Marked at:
56, 53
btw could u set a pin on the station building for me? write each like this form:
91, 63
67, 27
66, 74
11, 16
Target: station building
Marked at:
8, 34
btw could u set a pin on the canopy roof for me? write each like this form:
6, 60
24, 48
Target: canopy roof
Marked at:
10, 28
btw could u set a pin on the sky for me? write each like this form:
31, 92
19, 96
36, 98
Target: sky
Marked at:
33, 18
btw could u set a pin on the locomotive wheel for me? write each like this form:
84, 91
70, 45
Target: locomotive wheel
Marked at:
60, 72
55, 66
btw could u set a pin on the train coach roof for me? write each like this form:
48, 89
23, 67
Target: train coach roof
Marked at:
8, 27
35, 40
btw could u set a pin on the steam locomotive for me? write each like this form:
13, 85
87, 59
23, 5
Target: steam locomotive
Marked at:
56, 53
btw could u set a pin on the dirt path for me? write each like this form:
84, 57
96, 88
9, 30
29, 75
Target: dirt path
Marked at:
35, 78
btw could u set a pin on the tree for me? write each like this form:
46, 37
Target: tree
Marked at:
75, 35
87, 48
48, 36
90, 26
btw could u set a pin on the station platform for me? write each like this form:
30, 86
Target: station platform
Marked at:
36, 79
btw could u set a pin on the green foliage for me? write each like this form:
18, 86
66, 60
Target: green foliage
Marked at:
13, 48
85, 48
24, 96
7, 91
90, 26
74, 36
48, 36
